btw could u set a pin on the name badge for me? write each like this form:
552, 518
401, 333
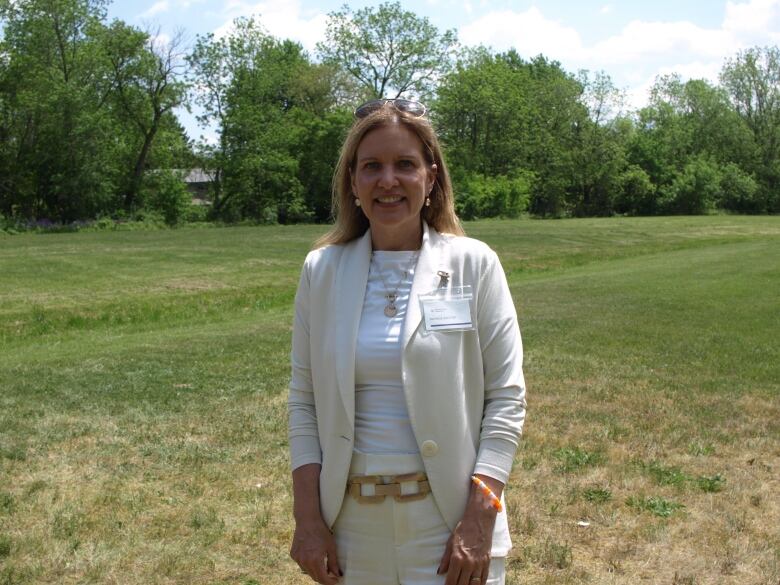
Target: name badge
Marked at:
448, 309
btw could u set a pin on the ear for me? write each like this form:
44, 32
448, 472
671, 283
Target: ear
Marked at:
352, 183
433, 171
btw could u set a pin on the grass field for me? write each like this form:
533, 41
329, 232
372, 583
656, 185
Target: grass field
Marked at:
142, 403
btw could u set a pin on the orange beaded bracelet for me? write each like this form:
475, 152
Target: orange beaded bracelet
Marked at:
494, 501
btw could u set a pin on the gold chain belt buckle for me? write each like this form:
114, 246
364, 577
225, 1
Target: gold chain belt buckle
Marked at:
391, 488
423, 486
353, 488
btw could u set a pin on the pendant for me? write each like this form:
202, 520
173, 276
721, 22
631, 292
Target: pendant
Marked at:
390, 310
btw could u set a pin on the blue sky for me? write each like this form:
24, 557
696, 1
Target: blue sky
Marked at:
631, 40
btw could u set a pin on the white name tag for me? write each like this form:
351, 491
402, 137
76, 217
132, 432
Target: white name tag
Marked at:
448, 310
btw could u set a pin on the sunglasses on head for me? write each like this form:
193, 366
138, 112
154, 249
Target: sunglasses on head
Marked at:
410, 107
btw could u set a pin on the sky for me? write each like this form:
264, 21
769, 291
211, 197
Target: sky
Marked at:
633, 41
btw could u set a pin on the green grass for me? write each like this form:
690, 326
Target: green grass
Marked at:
655, 504
142, 402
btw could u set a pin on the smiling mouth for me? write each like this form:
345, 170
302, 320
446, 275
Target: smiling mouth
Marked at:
389, 199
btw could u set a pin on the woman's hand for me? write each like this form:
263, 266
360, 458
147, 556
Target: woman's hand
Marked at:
314, 549
313, 546
466, 559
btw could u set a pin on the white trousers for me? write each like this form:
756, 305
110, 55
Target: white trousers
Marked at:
394, 543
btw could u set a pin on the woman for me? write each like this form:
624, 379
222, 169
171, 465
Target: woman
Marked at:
407, 389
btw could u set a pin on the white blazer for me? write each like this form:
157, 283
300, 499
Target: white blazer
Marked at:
465, 391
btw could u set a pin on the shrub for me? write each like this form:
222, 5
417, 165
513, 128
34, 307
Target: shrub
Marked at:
739, 191
146, 219
481, 196
196, 213
103, 224
6, 226
693, 191
164, 192
636, 192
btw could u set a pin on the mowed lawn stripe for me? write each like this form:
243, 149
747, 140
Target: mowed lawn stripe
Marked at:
712, 310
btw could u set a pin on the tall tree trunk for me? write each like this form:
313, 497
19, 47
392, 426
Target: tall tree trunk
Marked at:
131, 196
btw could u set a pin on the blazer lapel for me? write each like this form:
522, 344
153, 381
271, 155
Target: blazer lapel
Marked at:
351, 280
425, 280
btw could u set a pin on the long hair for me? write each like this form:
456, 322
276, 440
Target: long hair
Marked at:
349, 220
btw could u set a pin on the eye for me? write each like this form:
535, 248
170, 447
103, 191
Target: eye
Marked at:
371, 165
406, 163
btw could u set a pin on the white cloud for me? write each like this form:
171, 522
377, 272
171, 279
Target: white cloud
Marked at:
156, 8
606, 9
754, 16
284, 19
529, 32
638, 94
642, 40
166, 6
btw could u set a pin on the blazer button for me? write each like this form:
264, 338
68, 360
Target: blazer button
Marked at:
429, 448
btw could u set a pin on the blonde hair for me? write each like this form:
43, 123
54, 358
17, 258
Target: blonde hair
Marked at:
349, 220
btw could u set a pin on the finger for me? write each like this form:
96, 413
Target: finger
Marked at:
468, 571
455, 575
444, 564
314, 568
455, 571
465, 577
333, 560
310, 572
320, 573
485, 573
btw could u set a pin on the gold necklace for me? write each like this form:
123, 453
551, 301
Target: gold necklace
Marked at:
390, 309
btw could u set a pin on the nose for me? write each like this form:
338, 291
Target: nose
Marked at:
387, 178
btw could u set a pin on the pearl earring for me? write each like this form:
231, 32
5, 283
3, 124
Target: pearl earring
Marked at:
427, 202
357, 202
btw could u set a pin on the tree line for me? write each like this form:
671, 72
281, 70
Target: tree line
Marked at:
88, 126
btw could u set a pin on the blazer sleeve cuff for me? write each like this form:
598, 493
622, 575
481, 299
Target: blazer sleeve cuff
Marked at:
495, 459
305, 450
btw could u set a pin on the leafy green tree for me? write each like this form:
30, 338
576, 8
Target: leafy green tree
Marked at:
278, 121
599, 149
57, 116
389, 51
500, 115
213, 63
752, 79
149, 84
687, 128
81, 104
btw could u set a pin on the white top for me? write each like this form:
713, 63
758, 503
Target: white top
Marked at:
381, 417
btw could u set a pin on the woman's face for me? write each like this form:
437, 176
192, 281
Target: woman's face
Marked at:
392, 180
